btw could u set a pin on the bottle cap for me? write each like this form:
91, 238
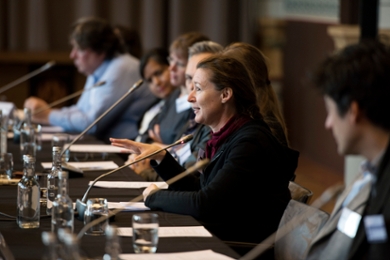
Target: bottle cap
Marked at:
56, 149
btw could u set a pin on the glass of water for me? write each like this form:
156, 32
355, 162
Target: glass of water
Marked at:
145, 233
96, 208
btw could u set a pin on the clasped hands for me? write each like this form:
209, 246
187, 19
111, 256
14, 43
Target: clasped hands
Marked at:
140, 150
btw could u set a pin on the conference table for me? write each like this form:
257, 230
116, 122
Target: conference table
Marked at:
27, 243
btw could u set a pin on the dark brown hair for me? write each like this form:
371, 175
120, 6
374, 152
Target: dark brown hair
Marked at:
227, 72
96, 34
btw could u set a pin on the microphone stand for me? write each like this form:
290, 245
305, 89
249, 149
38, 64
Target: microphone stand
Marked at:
27, 76
81, 205
198, 165
78, 93
133, 88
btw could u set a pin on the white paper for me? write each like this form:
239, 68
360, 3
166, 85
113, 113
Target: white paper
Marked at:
87, 166
96, 148
192, 231
49, 136
52, 129
129, 184
194, 255
132, 206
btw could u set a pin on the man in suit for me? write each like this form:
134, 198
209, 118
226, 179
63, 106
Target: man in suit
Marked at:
356, 87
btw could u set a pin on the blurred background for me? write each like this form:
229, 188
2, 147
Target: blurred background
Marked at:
294, 34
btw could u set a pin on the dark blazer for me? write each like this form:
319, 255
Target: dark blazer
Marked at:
330, 243
169, 120
123, 121
378, 203
241, 195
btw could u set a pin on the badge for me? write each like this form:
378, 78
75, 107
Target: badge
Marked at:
375, 228
349, 222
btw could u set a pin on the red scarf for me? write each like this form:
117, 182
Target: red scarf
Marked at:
218, 138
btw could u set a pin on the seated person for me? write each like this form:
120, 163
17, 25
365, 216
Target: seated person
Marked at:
355, 83
249, 167
97, 53
186, 154
255, 62
154, 69
176, 111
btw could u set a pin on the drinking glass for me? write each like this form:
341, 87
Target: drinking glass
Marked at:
61, 140
6, 166
145, 233
96, 208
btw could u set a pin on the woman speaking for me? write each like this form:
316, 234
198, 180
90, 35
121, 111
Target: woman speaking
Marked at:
241, 195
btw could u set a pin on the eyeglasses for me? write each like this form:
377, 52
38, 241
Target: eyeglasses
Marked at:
173, 62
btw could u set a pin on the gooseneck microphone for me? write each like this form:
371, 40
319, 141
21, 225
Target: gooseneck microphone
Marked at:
27, 76
131, 90
77, 93
80, 204
198, 165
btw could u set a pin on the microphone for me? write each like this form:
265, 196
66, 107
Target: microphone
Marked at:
325, 197
80, 204
198, 165
98, 84
27, 76
69, 167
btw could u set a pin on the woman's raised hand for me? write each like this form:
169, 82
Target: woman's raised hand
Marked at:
140, 149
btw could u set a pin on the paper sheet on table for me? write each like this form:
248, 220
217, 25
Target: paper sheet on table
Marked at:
194, 255
52, 129
133, 206
129, 184
191, 231
95, 148
49, 136
87, 166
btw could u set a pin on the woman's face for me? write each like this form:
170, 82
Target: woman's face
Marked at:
177, 67
205, 99
158, 79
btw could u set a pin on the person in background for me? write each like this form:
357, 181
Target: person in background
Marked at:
187, 154
249, 167
98, 54
355, 83
154, 70
176, 111
255, 63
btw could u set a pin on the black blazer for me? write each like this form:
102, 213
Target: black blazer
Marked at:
242, 193
378, 203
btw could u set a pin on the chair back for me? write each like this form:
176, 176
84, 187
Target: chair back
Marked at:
299, 193
300, 224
